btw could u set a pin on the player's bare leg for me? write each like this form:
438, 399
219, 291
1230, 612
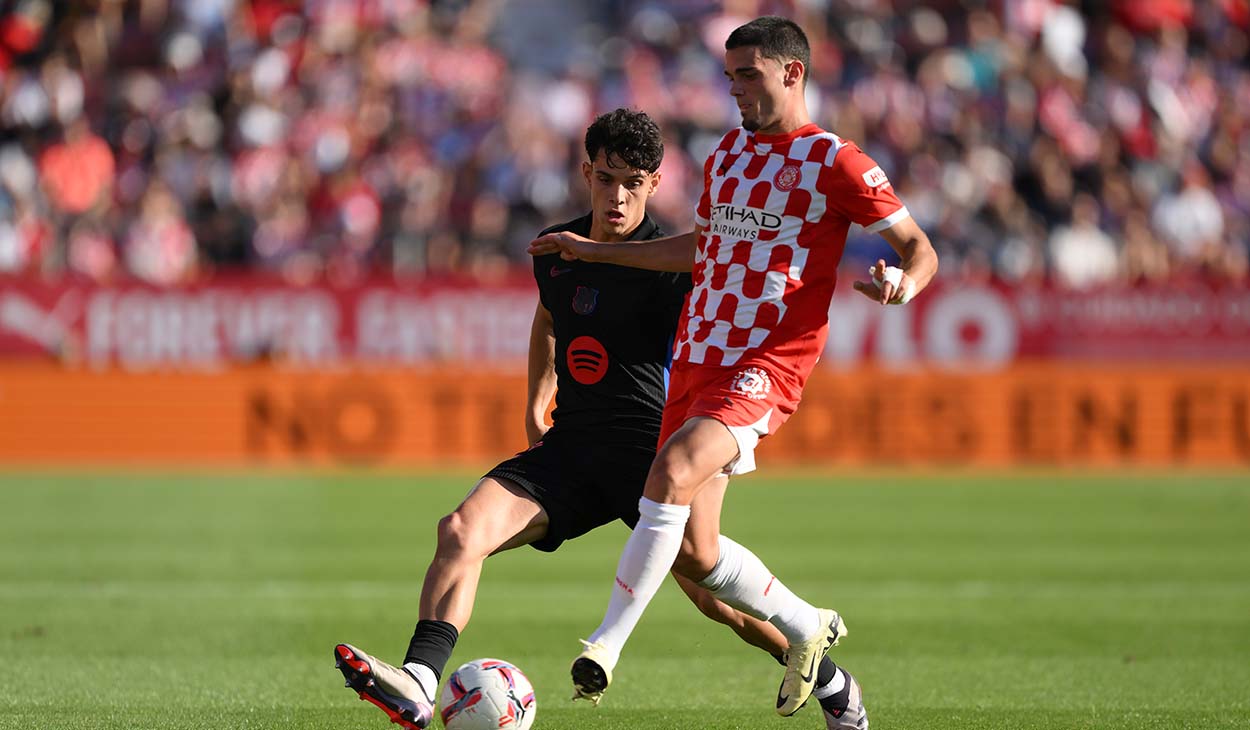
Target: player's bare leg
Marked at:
836, 690
496, 515
735, 576
759, 634
703, 531
692, 458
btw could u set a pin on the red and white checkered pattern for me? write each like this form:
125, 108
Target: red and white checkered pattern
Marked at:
773, 217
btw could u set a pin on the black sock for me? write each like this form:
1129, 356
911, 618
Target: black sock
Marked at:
431, 645
834, 703
826, 672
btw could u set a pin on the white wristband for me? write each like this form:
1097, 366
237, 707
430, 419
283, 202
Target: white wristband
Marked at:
894, 275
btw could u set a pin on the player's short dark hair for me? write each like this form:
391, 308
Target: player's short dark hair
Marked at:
778, 38
631, 136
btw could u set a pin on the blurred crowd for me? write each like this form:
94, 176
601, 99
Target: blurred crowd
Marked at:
1086, 142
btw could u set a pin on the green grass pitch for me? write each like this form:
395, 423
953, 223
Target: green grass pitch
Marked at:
1051, 600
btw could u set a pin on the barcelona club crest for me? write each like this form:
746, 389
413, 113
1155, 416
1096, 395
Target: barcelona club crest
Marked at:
585, 300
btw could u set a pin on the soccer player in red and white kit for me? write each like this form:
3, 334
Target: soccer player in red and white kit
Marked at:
779, 196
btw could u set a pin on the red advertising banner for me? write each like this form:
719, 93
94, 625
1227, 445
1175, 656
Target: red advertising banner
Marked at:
990, 324
243, 320
248, 319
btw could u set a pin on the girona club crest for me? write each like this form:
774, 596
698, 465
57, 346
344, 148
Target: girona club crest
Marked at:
788, 178
753, 383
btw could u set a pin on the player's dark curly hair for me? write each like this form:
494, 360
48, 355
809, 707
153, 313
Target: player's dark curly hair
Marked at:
628, 135
780, 39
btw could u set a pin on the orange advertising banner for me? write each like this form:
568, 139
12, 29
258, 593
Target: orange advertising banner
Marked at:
1026, 414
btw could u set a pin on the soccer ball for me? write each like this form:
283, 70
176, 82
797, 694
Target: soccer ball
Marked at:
488, 694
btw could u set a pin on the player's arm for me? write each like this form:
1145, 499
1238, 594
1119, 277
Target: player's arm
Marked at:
918, 263
855, 185
674, 253
542, 374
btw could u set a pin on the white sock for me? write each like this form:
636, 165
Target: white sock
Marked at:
425, 677
835, 686
648, 556
741, 580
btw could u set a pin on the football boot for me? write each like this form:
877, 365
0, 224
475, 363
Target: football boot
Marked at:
801, 662
393, 690
592, 671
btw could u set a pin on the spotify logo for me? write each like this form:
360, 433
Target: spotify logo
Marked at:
587, 360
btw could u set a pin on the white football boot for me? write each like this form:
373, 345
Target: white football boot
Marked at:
592, 671
801, 662
393, 690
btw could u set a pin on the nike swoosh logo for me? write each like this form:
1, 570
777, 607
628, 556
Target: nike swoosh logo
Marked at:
807, 678
811, 670
558, 272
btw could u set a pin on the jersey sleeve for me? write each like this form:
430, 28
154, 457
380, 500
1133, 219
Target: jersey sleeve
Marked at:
859, 189
674, 287
703, 212
540, 265
671, 297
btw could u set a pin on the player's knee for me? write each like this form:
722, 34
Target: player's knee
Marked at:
456, 536
669, 479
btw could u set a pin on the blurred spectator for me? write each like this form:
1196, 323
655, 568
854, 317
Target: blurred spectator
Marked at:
77, 173
91, 250
1082, 254
159, 246
166, 139
1190, 219
1145, 257
22, 29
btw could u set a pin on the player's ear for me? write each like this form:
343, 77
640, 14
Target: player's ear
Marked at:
586, 170
795, 70
653, 184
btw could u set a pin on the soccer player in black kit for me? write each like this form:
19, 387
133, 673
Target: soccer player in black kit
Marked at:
604, 334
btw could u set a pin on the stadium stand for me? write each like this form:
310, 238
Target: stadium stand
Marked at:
166, 139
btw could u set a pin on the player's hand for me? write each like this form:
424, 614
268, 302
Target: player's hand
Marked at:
884, 292
570, 246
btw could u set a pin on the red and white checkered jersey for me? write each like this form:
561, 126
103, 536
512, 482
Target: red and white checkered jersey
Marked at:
774, 215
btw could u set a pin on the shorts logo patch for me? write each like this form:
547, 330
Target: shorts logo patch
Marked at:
587, 360
788, 178
875, 178
754, 383
585, 300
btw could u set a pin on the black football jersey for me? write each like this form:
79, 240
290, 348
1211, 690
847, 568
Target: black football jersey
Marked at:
614, 329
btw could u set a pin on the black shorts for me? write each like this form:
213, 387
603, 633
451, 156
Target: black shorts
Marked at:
581, 482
